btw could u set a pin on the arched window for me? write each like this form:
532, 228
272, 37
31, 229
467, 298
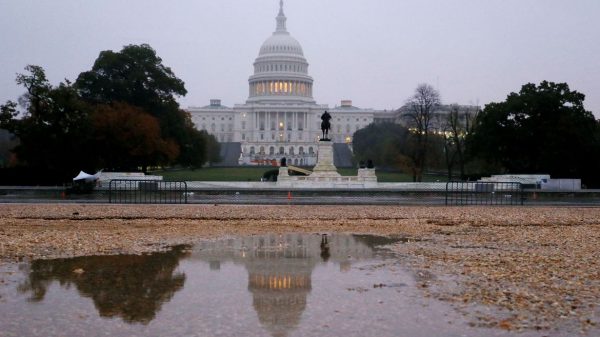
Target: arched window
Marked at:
262, 150
310, 150
301, 150
291, 151
281, 150
252, 150
271, 150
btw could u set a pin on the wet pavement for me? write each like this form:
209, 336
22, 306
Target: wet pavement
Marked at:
262, 285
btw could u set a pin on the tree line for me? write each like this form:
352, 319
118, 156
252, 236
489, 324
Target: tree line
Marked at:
542, 129
120, 115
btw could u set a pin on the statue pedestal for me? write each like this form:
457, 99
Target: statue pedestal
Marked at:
325, 166
325, 174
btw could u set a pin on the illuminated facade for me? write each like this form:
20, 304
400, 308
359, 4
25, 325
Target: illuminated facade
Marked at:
280, 268
280, 117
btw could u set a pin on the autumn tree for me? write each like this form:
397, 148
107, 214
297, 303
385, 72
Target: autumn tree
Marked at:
126, 137
137, 76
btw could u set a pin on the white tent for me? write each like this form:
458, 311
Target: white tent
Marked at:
87, 177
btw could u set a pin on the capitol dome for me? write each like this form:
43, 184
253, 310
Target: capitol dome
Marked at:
280, 70
281, 44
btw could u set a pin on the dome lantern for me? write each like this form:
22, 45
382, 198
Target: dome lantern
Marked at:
281, 19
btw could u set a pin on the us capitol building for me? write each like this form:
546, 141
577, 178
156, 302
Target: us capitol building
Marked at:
280, 117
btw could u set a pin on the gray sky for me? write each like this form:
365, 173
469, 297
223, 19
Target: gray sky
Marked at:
374, 52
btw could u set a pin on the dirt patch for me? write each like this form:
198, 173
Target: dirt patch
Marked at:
537, 267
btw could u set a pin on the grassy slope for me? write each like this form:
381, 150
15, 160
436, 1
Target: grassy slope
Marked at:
254, 174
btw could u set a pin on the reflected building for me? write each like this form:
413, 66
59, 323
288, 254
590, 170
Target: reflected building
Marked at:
280, 268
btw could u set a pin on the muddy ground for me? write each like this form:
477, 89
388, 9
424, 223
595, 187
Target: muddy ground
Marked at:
513, 268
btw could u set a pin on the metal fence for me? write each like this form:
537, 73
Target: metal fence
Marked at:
155, 192
484, 193
124, 191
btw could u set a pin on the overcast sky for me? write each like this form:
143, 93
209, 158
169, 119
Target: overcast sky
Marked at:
374, 52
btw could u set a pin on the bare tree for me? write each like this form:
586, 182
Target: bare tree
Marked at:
419, 110
458, 125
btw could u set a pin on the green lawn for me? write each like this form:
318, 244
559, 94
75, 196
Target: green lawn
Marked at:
255, 173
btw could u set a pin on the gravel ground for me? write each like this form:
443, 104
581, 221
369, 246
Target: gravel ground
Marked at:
514, 268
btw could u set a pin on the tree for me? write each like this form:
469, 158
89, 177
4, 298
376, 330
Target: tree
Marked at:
386, 144
455, 128
541, 129
126, 138
133, 287
197, 147
136, 76
213, 148
52, 127
418, 113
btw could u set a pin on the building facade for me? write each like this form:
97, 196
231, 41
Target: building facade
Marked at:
280, 117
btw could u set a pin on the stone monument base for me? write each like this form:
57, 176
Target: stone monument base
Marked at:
325, 174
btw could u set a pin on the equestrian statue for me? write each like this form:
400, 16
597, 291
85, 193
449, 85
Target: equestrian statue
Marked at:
325, 125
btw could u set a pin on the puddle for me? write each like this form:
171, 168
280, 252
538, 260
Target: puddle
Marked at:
265, 285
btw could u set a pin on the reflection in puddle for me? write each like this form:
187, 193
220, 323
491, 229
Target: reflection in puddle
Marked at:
130, 286
280, 267
275, 285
